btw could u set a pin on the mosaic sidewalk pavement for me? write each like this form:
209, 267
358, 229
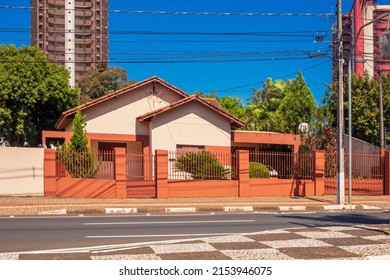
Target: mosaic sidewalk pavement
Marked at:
341, 242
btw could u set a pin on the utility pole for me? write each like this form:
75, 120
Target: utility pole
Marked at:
340, 110
381, 122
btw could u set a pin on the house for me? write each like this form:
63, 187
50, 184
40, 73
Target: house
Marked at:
151, 115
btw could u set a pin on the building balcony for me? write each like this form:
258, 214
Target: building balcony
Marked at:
83, 22
59, 21
83, 50
56, 12
83, 13
56, 3
380, 26
52, 48
83, 4
83, 68
56, 39
83, 58
382, 67
83, 41
58, 58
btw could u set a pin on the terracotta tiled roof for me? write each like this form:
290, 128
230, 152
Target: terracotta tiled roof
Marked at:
194, 98
213, 102
69, 114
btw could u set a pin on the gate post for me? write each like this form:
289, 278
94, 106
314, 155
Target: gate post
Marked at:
161, 175
243, 173
319, 172
49, 171
386, 175
120, 173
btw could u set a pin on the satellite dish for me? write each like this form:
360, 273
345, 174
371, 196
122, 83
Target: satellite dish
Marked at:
303, 127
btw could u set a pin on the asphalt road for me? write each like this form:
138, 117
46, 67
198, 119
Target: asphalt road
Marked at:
21, 234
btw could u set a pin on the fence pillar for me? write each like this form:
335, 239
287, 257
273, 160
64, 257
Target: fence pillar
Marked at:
49, 171
319, 172
120, 173
386, 178
161, 175
243, 173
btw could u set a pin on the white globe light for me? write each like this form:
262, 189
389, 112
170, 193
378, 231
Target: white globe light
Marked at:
303, 127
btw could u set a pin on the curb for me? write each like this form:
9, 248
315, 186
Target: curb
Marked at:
53, 212
94, 208
180, 210
121, 210
339, 207
292, 208
238, 209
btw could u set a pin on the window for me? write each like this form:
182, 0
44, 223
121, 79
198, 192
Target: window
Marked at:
189, 148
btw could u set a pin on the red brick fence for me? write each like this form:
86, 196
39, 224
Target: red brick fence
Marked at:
151, 176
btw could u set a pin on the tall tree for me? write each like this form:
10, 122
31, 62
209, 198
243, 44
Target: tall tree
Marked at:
33, 94
260, 112
298, 106
78, 158
281, 106
79, 139
101, 81
365, 106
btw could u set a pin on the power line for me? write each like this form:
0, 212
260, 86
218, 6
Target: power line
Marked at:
251, 14
302, 33
245, 76
151, 61
252, 84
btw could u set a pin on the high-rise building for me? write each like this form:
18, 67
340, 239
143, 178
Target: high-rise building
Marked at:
73, 33
362, 34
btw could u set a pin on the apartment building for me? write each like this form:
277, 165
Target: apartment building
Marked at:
362, 39
73, 33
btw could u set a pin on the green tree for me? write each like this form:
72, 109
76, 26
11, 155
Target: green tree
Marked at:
34, 92
79, 139
281, 106
298, 106
260, 111
99, 82
365, 106
79, 160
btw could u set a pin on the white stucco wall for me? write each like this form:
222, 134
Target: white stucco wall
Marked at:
190, 124
118, 115
368, 41
21, 171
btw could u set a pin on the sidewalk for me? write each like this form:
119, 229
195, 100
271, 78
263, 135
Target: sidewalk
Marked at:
48, 205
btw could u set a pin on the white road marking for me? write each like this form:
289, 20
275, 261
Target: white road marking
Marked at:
158, 235
168, 222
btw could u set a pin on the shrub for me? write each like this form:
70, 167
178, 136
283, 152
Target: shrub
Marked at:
201, 165
258, 170
79, 164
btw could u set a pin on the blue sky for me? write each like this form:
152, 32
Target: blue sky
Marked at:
194, 52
